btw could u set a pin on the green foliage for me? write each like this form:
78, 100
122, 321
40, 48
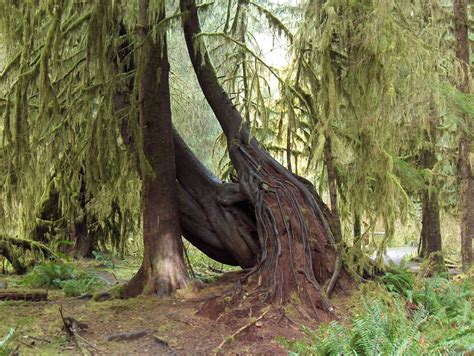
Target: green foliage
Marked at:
425, 316
380, 330
62, 276
399, 281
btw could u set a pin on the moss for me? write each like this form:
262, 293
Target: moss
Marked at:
433, 265
116, 292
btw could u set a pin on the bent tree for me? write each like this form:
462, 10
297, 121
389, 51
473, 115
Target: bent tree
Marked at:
297, 247
269, 221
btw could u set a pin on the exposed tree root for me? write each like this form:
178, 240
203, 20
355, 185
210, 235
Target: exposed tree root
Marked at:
298, 249
291, 234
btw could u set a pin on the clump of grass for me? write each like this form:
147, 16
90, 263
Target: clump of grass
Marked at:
416, 316
53, 275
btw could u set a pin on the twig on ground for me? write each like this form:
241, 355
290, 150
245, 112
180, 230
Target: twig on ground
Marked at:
239, 331
72, 328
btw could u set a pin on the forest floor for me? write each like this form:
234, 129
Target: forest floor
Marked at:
196, 321
171, 325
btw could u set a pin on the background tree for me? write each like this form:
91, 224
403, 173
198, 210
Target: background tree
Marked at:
461, 27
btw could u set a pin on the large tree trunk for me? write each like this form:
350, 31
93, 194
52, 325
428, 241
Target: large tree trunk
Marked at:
461, 27
163, 269
298, 253
214, 216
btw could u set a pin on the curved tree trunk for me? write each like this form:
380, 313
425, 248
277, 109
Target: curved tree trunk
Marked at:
163, 269
298, 252
216, 217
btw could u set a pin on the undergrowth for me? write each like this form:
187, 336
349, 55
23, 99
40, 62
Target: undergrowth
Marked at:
53, 275
204, 268
399, 315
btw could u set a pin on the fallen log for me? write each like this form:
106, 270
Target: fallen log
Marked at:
31, 295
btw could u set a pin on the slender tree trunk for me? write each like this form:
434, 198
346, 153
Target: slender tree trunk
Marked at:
329, 160
297, 245
163, 269
336, 222
83, 242
430, 237
430, 230
357, 229
288, 147
461, 27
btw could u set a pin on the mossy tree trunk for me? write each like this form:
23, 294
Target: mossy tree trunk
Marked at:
83, 242
163, 269
461, 26
430, 237
297, 247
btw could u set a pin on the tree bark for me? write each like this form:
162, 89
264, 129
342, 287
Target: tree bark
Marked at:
461, 27
214, 213
298, 251
214, 216
336, 222
430, 237
83, 241
163, 269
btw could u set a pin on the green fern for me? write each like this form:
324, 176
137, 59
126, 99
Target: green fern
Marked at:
61, 276
438, 321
